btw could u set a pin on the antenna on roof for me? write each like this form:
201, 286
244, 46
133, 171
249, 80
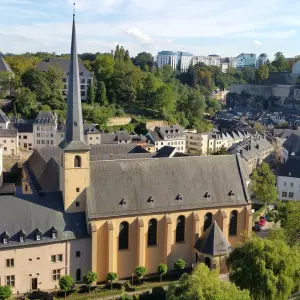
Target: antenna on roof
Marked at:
74, 8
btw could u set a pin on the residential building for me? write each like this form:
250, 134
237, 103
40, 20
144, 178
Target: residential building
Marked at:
196, 143
262, 59
291, 146
177, 60
254, 150
168, 136
9, 141
288, 180
245, 60
86, 76
25, 135
88, 213
44, 129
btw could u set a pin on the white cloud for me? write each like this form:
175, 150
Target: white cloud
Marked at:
137, 34
257, 43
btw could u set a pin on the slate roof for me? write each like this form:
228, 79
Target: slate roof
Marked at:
23, 127
213, 242
165, 151
163, 180
63, 64
292, 144
45, 117
166, 133
32, 212
291, 168
8, 133
4, 67
285, 133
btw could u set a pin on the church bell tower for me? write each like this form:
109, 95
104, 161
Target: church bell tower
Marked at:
75, 154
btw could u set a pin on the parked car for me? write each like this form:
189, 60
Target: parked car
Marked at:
256, 227
262, 221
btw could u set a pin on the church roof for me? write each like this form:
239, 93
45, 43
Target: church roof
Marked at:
163, 180
213, 242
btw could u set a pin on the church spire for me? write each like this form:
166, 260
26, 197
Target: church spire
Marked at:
74, 139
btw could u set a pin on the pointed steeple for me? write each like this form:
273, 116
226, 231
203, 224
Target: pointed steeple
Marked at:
74, 138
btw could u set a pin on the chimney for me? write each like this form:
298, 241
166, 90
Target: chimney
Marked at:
257, 146
241, 151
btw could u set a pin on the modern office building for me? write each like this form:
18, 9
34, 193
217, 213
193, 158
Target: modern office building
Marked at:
177, 60
262, 59
245, 60
210, 60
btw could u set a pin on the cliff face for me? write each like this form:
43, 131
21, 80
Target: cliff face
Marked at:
263, 96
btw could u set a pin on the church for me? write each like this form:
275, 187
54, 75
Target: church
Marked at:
79, 210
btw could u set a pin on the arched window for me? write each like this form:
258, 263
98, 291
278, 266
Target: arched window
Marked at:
207, 220
233, 223
124, 236
77, 161
180, 229
152, 232
78, 275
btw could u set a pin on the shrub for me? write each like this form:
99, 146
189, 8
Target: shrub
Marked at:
162, 269
126, 297
179, 264
140, 271
111, 277
66, 283
89, 278
5, 292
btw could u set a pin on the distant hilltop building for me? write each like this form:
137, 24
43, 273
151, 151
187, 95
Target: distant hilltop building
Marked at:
177, 60
86, 76
4, 67
262, 59
245, 60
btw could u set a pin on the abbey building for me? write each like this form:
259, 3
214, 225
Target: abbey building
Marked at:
80, 210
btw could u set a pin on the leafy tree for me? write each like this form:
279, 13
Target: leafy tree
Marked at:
268, 269
103, 67
259, 128
165, 100
5, 84
101, 94
162, 269
248, 74
264, 184
179, 264
204, 284
45, 107
66, 284
91, 93
111, 277
144, 59
5, 292
140, 271
280, 62
221, 151
25, 102
262, 73
212, 106
90, 278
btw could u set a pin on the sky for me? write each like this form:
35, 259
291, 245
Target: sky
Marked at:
202, 27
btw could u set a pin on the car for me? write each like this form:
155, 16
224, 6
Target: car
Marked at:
256, 227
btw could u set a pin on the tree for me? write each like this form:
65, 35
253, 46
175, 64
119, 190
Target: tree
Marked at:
5, 84
66, 284
162, 269
101, 94
270, 270
280, 62
221, 151
165, 100
143, 59
111, 277
204, 284
90, 278
264, 184
212, 106
5, 292
91, 93
25, 102
140, 271
45, 107
248, 74
262, 73
259, 128
179, 264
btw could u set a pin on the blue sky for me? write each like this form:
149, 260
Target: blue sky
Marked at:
224, 27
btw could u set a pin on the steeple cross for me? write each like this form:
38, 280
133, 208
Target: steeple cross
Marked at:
74, 8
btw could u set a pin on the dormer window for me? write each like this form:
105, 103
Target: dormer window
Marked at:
207, 195
123, 202
54, 233
38, 237
22, 236
179, 197
5, 240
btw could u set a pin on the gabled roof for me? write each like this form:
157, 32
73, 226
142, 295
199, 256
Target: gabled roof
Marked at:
45, 117
3, 117
137, 179
213, 242
9, 133
292, 144
4, 67
291, 168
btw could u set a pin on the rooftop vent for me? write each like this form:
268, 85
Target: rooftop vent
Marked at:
179, 197
207, 195
150, 200
123, 202
231, 193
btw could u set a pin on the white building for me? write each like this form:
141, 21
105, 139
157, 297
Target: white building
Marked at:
246, 60
291, 146
168, 136
288, 180
210, 60
177, 60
